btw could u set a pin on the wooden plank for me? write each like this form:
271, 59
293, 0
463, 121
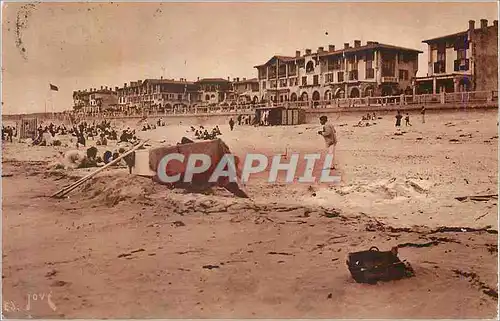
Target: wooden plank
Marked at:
71, 187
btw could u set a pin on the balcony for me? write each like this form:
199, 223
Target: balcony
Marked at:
370, 73
440, 67
461, 65
389, 79
353, 75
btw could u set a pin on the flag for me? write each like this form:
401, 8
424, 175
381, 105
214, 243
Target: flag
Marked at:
54, 88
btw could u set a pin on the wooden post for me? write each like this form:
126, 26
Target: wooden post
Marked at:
71, 187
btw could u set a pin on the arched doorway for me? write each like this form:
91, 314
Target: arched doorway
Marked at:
339, 93
328, 95
386, 91
255, 100
304, 97
207, 97
316, 97
368, 91
293, 97
354, 93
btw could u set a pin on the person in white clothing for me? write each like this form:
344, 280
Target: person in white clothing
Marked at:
330, 136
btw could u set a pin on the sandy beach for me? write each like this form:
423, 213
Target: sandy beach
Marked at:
122, 246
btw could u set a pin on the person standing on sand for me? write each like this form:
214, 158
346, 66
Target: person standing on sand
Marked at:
407, 120
423, 114
231, 124
398, 119
330, 136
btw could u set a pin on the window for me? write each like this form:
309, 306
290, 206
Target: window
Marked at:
441, 52
403, 74
310, 66
461, 53
282, 70
293, 81
273, 84
179, 96
263, 85
370, 72
329, 78
282, 82
292, 69
315, 80
388, 66
340, 76
304, 81
461, 65
353, 75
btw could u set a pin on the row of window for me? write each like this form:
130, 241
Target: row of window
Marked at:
329, 78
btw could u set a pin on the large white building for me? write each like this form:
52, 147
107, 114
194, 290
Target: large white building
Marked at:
373, 69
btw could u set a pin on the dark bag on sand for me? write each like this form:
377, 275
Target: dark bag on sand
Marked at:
373, 265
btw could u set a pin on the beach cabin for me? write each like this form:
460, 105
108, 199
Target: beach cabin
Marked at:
275, 116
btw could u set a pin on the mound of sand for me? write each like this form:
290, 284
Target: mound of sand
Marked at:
112, 190
389, 188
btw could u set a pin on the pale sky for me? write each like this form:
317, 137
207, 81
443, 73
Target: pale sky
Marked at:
77, 46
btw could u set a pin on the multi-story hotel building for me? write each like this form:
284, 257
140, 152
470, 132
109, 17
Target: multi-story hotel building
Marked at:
95, 99
463, 61
214, 90
373, 69
158, 94
247, 90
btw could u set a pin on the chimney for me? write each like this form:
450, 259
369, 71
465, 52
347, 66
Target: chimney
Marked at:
238, 79
125, 85
308, 51
244, 79
198, 79
297, 53
471, 24
228, 79
357, 43
106, 87
484, 23
102, 87
161, 77
116, 88
320, 49
346, 45
331, 47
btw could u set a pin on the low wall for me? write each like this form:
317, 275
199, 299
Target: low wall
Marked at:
311, 114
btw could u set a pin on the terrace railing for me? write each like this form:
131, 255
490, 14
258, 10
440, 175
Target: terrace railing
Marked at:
459, 99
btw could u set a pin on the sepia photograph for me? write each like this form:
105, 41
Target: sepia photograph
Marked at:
249, 160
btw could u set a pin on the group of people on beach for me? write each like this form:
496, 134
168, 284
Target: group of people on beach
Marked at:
242, 120
203, 133
399, 117
8, 133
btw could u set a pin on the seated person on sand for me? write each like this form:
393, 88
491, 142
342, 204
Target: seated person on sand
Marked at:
217, 130
124, 137
102, 140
